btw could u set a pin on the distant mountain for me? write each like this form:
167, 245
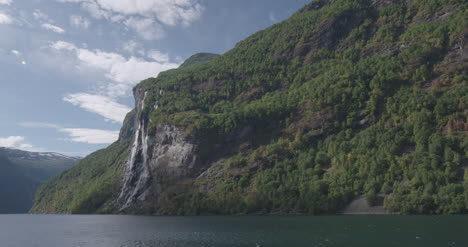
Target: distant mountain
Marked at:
21, 172
16, 189
37, 156
347, 105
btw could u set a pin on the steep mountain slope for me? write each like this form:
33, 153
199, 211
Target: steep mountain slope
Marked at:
344, 99
21, 172
16, 190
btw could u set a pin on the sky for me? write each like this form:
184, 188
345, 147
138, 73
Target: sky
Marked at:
67, 67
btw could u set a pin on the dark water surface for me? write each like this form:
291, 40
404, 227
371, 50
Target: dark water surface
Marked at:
135, 231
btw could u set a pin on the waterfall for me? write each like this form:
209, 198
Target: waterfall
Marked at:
143, 171
135, 146
144, 141
143, 103
136, 169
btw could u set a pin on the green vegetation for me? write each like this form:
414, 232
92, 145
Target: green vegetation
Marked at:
198, 58
87, 186
385, 81
345, 99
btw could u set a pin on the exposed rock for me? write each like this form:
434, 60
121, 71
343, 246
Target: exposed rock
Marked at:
167, 155
361, 206
283, 122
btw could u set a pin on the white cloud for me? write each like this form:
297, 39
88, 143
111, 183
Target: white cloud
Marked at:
5, 19
158, 56
124, 72
115, 90
91, 136
52, 28
133, 47
7, 2
17, 53
168, 12
146, 17
39, 125
135, 70
39, 15
17, 142
62, 45
79, 21
11, 141
82, 135
93, 8
102, 105
146, 28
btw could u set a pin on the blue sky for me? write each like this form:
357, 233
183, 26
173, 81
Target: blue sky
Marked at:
67, 67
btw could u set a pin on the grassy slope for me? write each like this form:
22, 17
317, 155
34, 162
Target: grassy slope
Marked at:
345, 99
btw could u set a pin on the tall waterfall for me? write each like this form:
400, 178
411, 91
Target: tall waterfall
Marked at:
137, 171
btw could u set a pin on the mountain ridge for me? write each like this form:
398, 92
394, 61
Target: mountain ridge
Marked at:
21, 154
22, 172
344, 99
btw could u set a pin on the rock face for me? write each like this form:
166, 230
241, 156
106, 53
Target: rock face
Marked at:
345, 98
360, 206
166, 155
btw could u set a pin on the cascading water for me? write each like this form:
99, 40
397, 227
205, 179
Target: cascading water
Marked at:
137, 172
167, 156
134, 148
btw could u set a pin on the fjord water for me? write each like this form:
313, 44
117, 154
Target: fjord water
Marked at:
136, 231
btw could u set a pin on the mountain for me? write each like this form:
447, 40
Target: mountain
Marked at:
198, 59
21, 172
348, 103
16, 190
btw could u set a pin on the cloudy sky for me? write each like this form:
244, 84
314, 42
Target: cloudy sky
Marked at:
67, 67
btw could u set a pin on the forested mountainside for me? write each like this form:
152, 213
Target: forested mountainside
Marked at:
345, 98
21, 172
